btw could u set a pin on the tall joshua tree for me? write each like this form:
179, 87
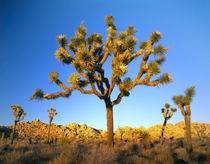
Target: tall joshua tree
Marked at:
18, 114
51, 113
88, 55
166, 115
183, 102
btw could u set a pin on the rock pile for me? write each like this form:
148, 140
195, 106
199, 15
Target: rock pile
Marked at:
37, 131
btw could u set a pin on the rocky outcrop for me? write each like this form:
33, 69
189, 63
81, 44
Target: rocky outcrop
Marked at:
36, 131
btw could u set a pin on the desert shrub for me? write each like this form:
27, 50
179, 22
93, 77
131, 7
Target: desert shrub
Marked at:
63, 140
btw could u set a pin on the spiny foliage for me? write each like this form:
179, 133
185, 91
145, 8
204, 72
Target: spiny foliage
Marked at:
119, 70
62, 40
166, 114
165, 78
52, 112
167, 105
159, 49
161, 59
155, 36
143, 44
38, 94
154, 68
128, 83
74, 79
53, 76
18, 112
185, 99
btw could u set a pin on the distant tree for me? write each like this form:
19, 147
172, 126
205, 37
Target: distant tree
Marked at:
51, 113
183, 102
18, 114
166, 115
89, 57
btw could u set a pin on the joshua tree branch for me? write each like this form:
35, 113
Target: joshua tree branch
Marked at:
182, 109
145, 58
83, 91
55, 95
61, 85
119, 98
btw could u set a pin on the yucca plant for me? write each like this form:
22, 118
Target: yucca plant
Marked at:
18, 114
87, 54
52, 112
166, 115
183, 102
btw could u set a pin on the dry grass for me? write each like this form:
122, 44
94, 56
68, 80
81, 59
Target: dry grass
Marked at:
96, 152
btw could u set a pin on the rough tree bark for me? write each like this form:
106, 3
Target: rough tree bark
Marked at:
48, 137
188, 133
163, 129
13, 133
109, 116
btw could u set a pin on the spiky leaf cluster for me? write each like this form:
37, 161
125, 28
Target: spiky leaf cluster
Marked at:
190, 92
130, 30
94, 38
128, 84
161, 59
165, 78
167, 105
77, 42
154, 68
37, 95
109, 19
74, 79
62, 40
125, 41
119, 70
85, 59
185, 100
18, 112
81, 31
143, 44
159, 49
155, 36
173, 109
61, 55
162, 110
53, 76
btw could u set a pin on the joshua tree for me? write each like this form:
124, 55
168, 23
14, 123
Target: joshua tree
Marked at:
183, 102
18, 114
89, 57
166, 116
51, 113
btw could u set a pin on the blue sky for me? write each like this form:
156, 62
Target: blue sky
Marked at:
28, 31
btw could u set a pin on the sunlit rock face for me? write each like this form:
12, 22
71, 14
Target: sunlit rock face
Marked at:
37, 131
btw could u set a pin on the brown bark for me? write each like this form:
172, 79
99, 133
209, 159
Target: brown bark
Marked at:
163, 129
48, 138
13, 133
109, 116
188, 133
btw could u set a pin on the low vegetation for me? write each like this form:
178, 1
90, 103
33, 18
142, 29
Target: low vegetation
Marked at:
146, 151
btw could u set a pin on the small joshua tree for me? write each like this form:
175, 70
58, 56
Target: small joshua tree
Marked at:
166, 115
18, 114
183, 102
51, 113
88, 55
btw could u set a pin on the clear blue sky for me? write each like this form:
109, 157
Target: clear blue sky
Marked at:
28, 30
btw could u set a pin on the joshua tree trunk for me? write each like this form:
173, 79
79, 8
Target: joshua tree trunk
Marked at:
163, 129
13, 133
188, 133
109, 116
48, 138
